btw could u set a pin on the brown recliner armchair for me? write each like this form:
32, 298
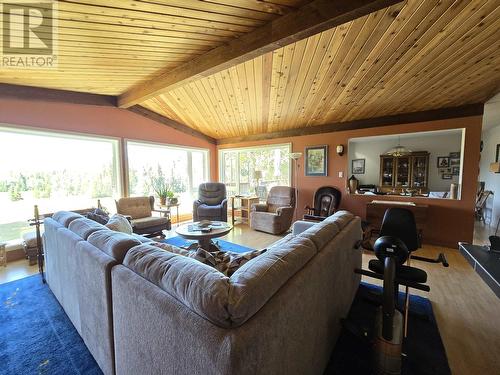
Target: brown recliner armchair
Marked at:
139, 211
276, 215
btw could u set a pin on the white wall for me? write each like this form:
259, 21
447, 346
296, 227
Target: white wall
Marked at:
491, 137
436, 143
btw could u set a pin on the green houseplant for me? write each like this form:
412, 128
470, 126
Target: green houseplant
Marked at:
161, 188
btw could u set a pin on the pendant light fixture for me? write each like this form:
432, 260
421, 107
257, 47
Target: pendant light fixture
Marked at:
398, 150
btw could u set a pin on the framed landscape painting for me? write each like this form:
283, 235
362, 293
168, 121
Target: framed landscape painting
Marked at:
317, 161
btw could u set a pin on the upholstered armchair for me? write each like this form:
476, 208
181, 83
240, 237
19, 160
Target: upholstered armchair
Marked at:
139, 211
211, 203
276, 215
326, 202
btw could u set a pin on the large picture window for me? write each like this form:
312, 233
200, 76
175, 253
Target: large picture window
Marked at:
56, 171
249, 171
183, 169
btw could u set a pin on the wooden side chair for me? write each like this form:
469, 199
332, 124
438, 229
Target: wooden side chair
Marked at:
481, 204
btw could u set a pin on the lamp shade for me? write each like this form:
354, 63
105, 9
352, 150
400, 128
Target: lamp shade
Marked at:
257, 175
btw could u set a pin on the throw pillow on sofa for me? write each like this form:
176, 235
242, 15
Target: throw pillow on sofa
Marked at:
119, 223
225, 262
99, 216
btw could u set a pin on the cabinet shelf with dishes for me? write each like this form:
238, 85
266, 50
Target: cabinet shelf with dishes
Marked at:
398, 173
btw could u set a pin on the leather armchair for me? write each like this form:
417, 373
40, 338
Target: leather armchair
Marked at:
326, 202
211, 203
276, 215
139, 211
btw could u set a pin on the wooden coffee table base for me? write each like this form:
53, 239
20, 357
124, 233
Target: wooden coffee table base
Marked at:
204, 240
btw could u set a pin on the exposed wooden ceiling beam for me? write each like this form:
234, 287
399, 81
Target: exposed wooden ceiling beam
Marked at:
8, 91
310, 19
404, 118
137, 109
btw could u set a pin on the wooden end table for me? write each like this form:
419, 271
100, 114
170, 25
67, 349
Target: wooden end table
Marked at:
244, 209
204, 238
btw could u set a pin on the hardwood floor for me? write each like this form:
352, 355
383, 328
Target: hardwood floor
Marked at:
466, 309
16, 270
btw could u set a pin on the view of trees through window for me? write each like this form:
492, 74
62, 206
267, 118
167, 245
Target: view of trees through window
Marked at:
238, 169
182, 170
55, 171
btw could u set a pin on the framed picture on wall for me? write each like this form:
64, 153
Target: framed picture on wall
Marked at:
455, 155
454, 162
358, 166
443, 162
447, 176
455, 171
316, 161
497, 157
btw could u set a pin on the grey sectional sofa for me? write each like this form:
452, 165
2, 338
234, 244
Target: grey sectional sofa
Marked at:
143, 310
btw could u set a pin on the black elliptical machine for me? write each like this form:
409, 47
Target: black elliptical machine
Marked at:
399, 238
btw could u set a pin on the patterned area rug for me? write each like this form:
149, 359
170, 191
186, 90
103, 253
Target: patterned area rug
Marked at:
36, 336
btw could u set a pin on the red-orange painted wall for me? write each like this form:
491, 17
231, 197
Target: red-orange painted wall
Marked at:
99, 120
449, 221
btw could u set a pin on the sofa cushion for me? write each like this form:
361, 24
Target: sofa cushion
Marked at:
148, 222
85, 227
340, 218
252, 285
209, 211
119, 223
141, 239
198, 286
65, 217
115, 244
321, 233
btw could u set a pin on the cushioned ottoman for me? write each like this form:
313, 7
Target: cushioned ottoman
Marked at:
30, 247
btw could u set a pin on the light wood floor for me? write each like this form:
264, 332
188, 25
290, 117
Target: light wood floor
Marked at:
467, 311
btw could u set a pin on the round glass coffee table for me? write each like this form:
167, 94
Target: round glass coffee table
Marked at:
192, 232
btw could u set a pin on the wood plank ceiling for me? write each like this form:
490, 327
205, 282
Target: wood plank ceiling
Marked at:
108, 46
414, 56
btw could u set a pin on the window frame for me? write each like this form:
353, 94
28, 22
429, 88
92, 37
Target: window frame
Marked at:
222, 151
127, 141
56, 133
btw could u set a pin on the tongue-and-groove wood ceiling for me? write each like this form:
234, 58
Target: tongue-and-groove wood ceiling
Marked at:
412, 56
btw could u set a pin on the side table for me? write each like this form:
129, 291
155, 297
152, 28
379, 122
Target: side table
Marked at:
242, 212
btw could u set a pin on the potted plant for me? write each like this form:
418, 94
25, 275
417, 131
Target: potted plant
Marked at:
172, 199
161, 188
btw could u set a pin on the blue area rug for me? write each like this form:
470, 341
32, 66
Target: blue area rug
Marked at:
425, 351
223, 245
36, 336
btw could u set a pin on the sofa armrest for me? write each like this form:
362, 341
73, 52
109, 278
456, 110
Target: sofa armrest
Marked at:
300, 226
259, 207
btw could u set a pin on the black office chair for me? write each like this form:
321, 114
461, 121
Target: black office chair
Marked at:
326, 202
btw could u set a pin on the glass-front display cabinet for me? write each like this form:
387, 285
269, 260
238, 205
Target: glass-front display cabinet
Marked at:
398, 173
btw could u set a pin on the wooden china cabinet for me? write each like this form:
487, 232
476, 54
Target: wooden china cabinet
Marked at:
404, 172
